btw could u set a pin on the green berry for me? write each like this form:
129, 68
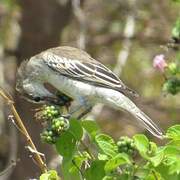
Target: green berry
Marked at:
126, 144
49, 138
50, 112
119, 143
62, 123
173, 68
61, 118
55, 112
49, 115
52, 107
50, 133
123, 143
57, 124
45, 133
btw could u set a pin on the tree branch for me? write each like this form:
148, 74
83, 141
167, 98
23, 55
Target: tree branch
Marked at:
20, 124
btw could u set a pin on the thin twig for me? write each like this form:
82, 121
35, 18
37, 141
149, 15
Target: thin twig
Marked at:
20, 124
87, 149
34, 152
11, 118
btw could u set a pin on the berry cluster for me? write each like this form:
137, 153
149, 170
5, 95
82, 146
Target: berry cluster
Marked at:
55, 124
126, 145
47, 113
48, 136
56, 127
172, 86
60, 124
50, 112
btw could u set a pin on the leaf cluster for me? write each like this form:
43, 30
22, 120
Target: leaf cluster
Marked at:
89, 154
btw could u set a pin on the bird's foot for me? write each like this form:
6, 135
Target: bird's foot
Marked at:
66, 116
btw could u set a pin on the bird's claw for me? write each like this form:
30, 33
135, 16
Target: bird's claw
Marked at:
66, 116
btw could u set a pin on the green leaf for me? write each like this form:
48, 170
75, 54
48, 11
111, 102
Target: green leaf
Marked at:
173, 162
96, 170
163, 153
106, 144
67, 174
174, 143
50, 175
157, 159
164, 171
172, 158
102, 156
76, 129
171, 150
174, 132
91, 127
174, 165
78, 160
142, 172
142, 144
66, 145
153, 147
176, 29
116, 161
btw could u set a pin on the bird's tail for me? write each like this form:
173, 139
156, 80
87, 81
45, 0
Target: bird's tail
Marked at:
120, 101
148, 123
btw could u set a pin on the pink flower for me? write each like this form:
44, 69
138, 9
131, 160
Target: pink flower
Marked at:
159, 62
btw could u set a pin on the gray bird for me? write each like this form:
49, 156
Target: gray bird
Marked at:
80, 77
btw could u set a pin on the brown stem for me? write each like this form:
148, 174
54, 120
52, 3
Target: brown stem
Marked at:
20, 124
87, 149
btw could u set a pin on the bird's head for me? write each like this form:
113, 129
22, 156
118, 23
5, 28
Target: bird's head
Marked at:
23, 87
31, 86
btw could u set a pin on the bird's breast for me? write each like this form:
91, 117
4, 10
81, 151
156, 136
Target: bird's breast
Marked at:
73, 88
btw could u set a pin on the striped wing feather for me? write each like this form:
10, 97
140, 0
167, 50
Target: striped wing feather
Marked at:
84, 69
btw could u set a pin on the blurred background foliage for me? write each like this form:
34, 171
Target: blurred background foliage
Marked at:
123, 35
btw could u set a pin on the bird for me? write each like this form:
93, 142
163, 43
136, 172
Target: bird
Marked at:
77, 75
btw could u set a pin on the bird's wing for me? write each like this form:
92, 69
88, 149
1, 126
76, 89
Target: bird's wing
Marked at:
90, 71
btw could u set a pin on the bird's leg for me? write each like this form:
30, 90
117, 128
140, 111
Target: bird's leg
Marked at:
85, 105
86, 111
70, 114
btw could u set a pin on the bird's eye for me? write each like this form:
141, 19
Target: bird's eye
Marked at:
37, 99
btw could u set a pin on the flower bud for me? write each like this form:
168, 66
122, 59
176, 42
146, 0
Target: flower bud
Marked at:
159, 62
